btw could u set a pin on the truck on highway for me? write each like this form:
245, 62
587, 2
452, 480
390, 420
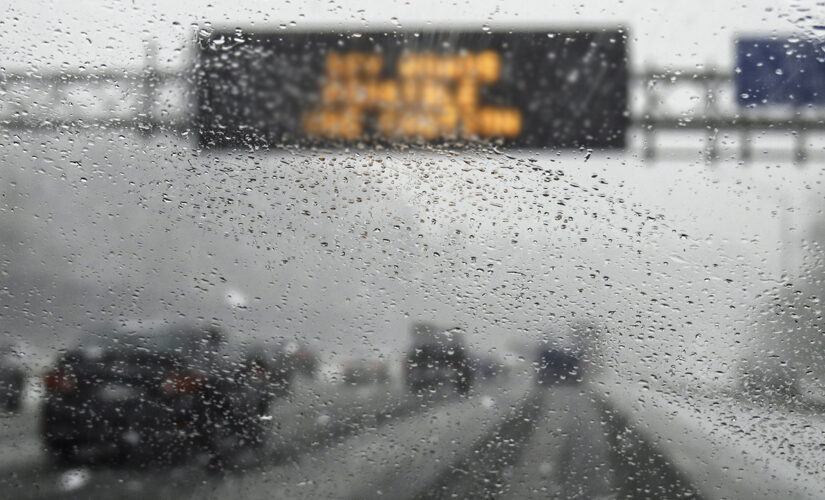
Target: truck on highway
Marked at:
437, 358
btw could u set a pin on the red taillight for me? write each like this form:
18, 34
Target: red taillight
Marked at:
258, 371
60, 382
182, 383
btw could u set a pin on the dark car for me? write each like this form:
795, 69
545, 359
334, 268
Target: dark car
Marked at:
437, 357
272, 369
364, 372
434, 365
158, 393
555, 365
489, 368
12, 379
303, 359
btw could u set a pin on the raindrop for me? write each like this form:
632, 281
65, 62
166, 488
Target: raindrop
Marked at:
73, 479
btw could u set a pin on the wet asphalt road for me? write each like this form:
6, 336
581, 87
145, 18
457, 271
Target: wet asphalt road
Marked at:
507, 439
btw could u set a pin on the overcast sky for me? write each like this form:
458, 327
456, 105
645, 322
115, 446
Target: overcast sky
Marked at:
679, 33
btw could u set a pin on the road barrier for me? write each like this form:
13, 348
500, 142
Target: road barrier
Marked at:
699, 445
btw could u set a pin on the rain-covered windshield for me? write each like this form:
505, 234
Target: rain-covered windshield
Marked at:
412, 249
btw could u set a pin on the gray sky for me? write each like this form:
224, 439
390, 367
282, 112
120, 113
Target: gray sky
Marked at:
680, 33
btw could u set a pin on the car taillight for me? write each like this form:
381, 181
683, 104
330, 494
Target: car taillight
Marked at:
258, 371
60, 382
176, 384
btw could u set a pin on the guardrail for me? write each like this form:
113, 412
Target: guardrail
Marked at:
716, 98
147, 100
706, 444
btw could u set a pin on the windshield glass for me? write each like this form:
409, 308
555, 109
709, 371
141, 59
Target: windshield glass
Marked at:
412, 249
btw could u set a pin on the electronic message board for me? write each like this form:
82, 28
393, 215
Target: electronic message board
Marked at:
533, 89
780, 71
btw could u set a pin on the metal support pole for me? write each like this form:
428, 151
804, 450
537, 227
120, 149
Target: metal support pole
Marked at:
711, 113
146, 122
711, 151
800, 151
648, 111
745, 146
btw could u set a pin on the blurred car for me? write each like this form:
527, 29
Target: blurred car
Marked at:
12, 378
274, 367
437, 357
363, 372
156, 394
303, 359
556, 365
490, 368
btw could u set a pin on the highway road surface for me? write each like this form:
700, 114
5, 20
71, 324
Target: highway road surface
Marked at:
507, 439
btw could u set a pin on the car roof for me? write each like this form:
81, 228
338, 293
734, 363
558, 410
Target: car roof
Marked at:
153, 337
